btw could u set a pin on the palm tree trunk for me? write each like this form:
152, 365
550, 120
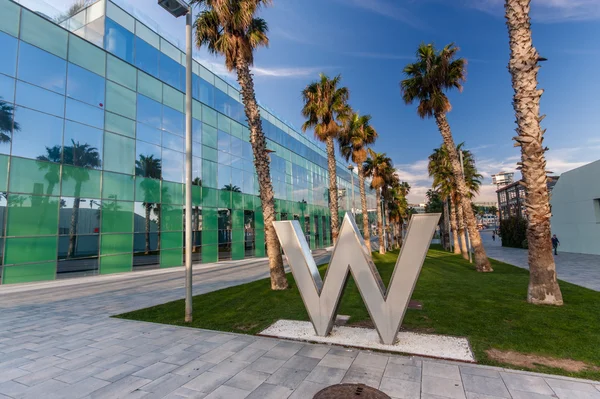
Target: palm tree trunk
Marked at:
453, 210
461, 231
261, 164
363, 204
74, 220
482, 263
147, 206
543, 286
333, 188
380, 222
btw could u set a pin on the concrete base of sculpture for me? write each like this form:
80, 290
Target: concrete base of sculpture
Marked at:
430, 345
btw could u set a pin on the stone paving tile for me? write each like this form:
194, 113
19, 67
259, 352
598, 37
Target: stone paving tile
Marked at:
284, 350
193, 368
363, 375
267, 364
526, 383
185, 393
248, 380
165, 384
516, 394
12, 388
38, 377
156, 370
264, 344
314, 351
225, 392
269, 391
82, 388
118, 372
307, 389
570, 385
288, 378
400, 388
248, 354
402, 372
326, 375
301, 363
371, 360
121, 388
485, 385
443, 387
147, 360
345, 352
11, 374
207, 382
71, 377
441, 370
229, 367
479, 371
216, 356
336, 361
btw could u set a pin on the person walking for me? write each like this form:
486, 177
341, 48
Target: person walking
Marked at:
555, 244
494, 235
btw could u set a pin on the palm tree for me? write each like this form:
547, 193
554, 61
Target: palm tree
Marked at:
326, 109
151, 168
377, 167
426, 82
6, 121
392, 183
356, 136
523, 66
230, 28
231, 187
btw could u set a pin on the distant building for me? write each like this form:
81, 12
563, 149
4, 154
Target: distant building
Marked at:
511, 198
419, 208
503, 179
576, 210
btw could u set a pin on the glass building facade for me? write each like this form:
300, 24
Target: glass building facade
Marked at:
92, 153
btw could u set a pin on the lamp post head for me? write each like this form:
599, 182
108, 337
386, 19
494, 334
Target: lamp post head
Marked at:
351, 167
176, 8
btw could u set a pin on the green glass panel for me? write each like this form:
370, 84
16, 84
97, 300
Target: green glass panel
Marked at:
209, 136
210, 197
237, 201
237, 235
117, 217
237, 219
224, 199
246, 134
210, 219
9, 17
236, 129
171, 218
80, 182
116, 244
171, 240
118, 124
116, 263
172, 98
197, 110
224, 123
32, 215
117, 186
248, 202
210, 154
147, 190
209, 116
3, 172
172, 193
196, 195
257, 204
259, 237
210, 237
30, 249
119, 153
34, 177
238, 250
171, 257
149, 86
121, 72
29, 273
44, 34
259, 221
120, 100
87, 55
210, 253
209, 174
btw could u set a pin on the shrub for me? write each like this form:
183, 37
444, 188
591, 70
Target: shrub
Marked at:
513, 232
525, 244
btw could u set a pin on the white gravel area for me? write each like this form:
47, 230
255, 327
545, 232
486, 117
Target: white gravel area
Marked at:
430, 345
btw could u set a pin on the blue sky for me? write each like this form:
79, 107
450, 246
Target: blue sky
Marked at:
369, 42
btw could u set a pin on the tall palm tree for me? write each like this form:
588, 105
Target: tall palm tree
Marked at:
523, 66
354, 140
230, 28
426, 81
151, 168
326, 109
392, 183
377, 167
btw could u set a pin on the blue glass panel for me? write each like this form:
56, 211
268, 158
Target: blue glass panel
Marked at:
170, 71
224, 143
118, 40
146, 57
148, 134
149, 111
173, 165
143, 152
84, 113
42, 68
207, 93
39, 135
224, 176
236, 147
8, 61
85, 139
224, 158
40, 99
247, 151
196, 130
172, 142
173, 121
85, 86
7, 89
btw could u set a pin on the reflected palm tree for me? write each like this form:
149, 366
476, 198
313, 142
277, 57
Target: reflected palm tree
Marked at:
231, 187
6, 121
150, 167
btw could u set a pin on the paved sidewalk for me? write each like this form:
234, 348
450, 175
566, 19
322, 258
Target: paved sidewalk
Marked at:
580, 269
58, 341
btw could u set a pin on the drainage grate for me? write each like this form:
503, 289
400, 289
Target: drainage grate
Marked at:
349, 391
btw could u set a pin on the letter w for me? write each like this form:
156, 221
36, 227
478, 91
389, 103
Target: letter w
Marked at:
350, 254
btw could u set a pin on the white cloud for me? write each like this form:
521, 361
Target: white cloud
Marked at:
389, 9
285, 72
548, 11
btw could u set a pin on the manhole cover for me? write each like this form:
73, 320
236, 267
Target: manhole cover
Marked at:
343, 391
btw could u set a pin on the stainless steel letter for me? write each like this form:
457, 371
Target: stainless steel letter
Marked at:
322, 297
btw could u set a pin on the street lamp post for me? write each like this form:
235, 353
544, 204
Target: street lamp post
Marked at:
179, 8
351, 169
462, 169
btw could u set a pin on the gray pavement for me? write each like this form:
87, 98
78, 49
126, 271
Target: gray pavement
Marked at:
580, 269
58, 341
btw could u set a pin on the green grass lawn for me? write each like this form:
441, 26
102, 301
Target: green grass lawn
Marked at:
490, 309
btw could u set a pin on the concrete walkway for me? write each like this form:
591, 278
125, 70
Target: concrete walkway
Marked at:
580, 269
58, 341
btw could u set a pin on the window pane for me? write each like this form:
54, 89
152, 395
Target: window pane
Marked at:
87, 55
170, 71
149, 86
118, 124
85, 86
8, 61
119, 153
32, 215
121, 72
224, 143
34, 177
146, 57
148, 134
173, 98
224, 176
210, 153
82, 145
149, 111
81, 182
120, 100
197, 171
196, 127
209, 174
85, 113
118, 41
39, 135
9, 18
173, 121
146, 211
117, 186
42, 68
209, 135
43, 34
173, 166
40, 99
207, 93
172, 142
148, 161
117, 217
88, 219
30, 249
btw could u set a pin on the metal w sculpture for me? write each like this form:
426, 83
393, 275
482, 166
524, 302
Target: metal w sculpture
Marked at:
350, 255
